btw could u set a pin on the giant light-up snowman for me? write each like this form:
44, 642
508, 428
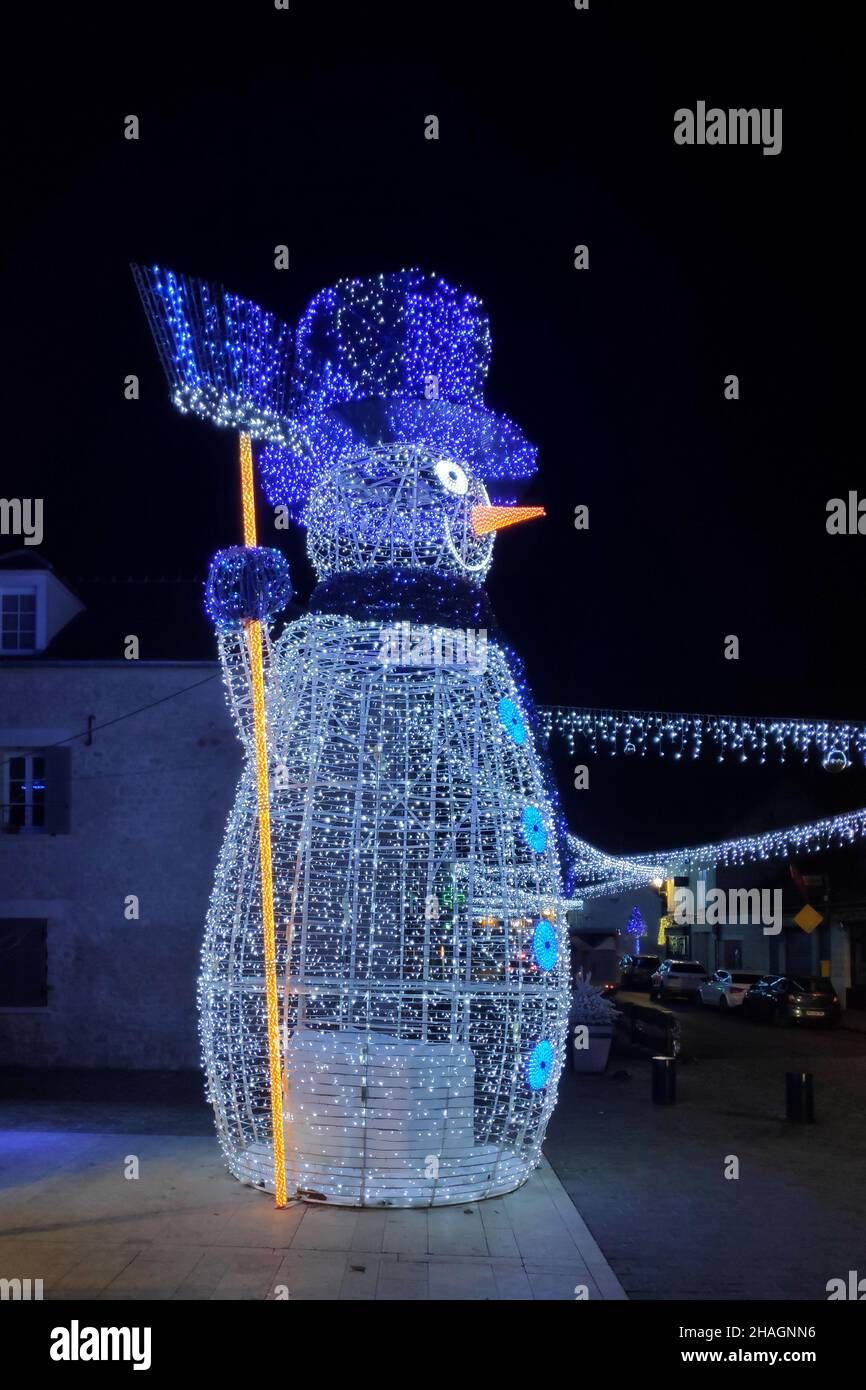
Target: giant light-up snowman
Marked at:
421, 956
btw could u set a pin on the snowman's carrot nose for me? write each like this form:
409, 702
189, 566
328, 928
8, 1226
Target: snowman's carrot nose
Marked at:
486, 519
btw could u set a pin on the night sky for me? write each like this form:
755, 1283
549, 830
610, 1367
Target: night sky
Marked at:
707, 517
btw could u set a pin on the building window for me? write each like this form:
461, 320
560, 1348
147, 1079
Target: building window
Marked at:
35, 791
24, 792
18, 621
679, 944
23, 963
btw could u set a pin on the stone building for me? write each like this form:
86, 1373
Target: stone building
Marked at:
118, 776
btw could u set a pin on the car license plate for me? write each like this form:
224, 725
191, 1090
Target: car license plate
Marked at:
814, 1013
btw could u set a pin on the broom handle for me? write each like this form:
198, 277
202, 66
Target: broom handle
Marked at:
254, 638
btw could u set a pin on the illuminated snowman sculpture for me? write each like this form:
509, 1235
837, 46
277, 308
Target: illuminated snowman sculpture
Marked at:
422, 956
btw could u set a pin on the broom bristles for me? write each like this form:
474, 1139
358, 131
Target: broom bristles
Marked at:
225, 358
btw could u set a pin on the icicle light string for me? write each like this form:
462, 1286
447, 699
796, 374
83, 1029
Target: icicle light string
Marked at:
837, 745
598, 873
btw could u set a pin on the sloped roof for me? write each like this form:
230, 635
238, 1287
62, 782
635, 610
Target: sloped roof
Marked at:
25, 558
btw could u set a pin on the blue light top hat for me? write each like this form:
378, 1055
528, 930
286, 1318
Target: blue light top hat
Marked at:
398, 358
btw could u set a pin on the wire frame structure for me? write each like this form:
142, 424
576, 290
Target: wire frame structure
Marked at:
423, 1009
398, 506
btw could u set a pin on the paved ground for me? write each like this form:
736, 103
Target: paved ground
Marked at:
184, 1229
650, 1181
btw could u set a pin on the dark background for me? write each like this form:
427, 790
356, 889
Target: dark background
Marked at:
707, 516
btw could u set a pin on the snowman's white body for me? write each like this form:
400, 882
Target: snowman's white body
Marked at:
411, 998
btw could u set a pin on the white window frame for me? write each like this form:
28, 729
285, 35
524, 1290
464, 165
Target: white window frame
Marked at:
28, 754
24, 591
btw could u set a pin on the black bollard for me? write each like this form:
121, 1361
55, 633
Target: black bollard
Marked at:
799, 1098
664, 1080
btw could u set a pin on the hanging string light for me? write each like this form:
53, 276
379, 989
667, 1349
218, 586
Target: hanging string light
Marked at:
742, 738
599, 874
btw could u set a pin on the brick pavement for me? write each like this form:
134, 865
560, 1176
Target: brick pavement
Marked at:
184, 1229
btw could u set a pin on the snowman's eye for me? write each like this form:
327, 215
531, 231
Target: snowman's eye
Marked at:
452, 477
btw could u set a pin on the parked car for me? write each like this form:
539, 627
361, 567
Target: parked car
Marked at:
726, 989
635, 971
677, 979
793, 999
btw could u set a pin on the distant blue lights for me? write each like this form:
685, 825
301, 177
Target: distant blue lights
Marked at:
509, 718
544, 945
539, 1066
534, 832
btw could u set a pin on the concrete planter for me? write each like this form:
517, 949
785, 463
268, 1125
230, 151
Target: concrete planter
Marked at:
594, 1057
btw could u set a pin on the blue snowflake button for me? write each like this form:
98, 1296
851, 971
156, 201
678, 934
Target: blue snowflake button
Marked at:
544, 945
534, 832
539, 1066
509, 718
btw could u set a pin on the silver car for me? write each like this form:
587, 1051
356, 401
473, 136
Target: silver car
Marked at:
678, 979
726, 989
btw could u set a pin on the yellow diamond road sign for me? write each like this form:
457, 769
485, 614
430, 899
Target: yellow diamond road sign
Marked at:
808, 918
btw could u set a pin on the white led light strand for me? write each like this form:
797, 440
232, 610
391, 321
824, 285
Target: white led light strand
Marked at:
599, 874
742, 738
